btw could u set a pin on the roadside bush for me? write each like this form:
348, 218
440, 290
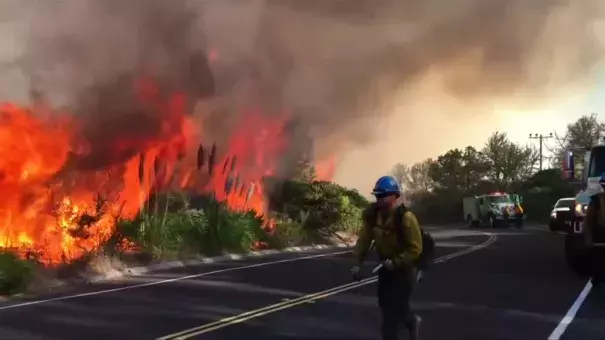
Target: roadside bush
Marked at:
288, 233
238, 232
321, 208
172, 229
15, 273
173, 224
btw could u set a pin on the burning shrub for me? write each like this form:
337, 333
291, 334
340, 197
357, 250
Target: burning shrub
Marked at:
210, 228
78, 185
15, 273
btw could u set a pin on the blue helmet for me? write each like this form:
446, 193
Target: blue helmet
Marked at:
386, 185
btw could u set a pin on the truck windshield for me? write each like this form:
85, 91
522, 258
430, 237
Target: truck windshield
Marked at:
498, 199
597, 162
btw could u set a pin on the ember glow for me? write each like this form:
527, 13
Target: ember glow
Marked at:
55, 206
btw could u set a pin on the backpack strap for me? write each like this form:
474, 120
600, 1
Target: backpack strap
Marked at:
399, 224
398, 221
370, 214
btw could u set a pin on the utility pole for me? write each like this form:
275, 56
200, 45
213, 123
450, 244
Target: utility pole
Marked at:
541, 138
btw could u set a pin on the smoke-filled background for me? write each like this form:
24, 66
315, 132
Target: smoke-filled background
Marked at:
371, 82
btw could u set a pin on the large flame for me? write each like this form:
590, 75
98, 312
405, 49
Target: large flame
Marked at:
325, 169
60, 210
256, 144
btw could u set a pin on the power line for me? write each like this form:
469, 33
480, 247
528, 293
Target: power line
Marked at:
541, 138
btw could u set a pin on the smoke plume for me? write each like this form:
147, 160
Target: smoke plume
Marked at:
371, 82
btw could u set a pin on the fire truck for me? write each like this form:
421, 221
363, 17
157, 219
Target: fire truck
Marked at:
494, 209
592, 173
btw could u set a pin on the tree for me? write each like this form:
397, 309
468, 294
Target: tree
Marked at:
415, 178
459, 170
585, 132
305, 171
476, 167
579, 136
446, 172
401, 173
508, 162
419, 176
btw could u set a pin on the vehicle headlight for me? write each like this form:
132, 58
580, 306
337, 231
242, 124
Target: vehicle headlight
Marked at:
553, 214
581, 209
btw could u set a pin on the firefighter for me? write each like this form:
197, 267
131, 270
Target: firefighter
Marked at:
594, 232
398, 241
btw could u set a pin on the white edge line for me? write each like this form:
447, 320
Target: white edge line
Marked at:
575, 307
571, 313
186, 334
204, 260
99, 292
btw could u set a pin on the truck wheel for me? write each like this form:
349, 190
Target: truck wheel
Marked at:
471, 223
576, 255
519, 222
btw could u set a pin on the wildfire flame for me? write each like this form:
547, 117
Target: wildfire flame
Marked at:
325, 169
50, 206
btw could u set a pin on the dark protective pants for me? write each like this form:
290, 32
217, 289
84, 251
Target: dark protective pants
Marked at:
394, 291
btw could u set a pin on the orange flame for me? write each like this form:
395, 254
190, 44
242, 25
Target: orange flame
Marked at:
325, 169
50, 208
253, 150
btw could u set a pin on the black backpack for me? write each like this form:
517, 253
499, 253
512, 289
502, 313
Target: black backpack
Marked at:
427, 256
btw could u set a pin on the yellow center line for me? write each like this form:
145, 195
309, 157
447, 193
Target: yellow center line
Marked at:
206, 328
233, 319
273, 310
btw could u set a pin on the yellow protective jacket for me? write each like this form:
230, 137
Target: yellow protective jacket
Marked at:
381, 228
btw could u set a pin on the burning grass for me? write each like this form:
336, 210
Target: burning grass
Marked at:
176, 225
62, 192
70, 191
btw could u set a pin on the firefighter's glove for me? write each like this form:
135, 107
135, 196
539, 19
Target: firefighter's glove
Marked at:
356, 272
388, 265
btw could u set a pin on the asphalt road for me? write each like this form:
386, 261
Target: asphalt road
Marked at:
505, 284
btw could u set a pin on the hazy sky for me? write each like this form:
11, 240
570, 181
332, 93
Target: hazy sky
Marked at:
490, 60
553, 116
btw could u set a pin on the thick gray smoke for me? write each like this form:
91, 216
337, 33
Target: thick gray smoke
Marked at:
400, 78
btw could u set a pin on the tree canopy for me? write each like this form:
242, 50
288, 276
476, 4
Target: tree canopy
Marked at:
435, 186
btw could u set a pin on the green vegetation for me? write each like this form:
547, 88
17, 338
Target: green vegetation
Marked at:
176, 225
306, 211
317, 209
435, 187
303, 212
15, 273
